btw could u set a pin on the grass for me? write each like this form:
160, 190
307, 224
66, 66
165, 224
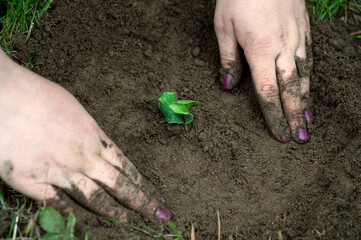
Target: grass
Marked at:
321, 9
21, 18
329, 8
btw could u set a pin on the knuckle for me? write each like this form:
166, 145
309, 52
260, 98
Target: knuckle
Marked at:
286, 71
294, 115
118, 180
269, 91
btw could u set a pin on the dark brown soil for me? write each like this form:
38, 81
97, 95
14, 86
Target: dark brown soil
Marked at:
117, 57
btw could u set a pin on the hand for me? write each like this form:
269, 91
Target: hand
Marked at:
49, 145
276, 39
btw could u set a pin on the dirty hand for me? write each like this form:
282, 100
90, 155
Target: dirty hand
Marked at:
276, 39
51, 148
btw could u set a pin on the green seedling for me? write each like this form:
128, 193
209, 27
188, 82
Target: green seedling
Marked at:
151, 232
176, 111
55, 225
174, 229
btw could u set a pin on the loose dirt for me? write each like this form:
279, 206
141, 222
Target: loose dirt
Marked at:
117, 57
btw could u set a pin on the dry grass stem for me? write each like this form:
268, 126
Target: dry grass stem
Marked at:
193, 235
219, 225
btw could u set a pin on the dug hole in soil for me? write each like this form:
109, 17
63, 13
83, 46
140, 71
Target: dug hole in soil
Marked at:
117, 57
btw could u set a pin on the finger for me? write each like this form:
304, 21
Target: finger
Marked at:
229, 52
64, 204
115, 156
124, 190
37, 191
308, 41
90, 195
304, 73
265, 82
290, 90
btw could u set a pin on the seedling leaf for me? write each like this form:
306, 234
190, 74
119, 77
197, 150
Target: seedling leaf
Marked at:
52, 221
176, 111
163, 103
182, 106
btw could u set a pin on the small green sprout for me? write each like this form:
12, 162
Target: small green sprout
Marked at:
53, 223
176, 111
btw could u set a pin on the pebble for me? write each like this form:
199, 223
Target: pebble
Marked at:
148, 53
196, 51
199, 62
163, 141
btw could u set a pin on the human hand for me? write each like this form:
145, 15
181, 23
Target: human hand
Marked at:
276, 39
49, 144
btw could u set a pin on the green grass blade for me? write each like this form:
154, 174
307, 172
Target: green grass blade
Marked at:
358, 7
12, 226
2, 200
174, 229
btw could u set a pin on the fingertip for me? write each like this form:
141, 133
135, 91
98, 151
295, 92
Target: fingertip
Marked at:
230, 77
301, 135
121, 216
226, 84
283, 132
163, 214
285, 139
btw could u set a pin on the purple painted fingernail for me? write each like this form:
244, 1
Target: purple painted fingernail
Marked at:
96, 223
163, 215
227, 82
159, 198
285, 139
309, 116
303, 134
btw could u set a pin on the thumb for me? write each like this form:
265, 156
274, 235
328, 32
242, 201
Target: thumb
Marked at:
229, 53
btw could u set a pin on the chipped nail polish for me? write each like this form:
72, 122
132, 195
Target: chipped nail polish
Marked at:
163, 215
159, 198
227, 82
96, 223
308, 116
285, 139
303, 134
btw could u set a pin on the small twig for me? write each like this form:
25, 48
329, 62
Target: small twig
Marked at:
219, 226
193, 235
31, 28
356, 33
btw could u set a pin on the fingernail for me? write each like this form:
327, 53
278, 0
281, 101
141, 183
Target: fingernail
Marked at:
303, 134
227, 82
309, 116
285, 139
163, 215
159, 198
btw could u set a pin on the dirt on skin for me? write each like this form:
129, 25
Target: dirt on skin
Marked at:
117, 57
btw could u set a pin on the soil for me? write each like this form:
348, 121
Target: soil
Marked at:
117, 57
